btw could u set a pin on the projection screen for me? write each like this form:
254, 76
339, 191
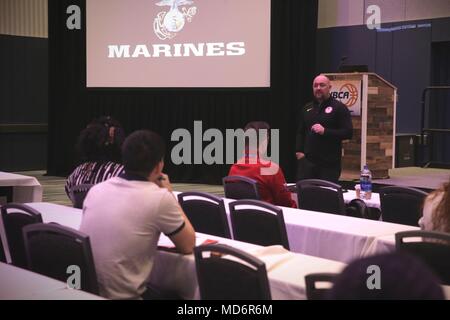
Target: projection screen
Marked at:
177, 43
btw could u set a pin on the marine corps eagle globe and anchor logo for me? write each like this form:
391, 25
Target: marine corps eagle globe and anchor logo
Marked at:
167, 24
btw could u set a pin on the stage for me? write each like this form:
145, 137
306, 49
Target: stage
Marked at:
427, 179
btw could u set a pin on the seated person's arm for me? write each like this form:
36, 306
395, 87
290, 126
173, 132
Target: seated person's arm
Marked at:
184, 236
281, 194
184, 239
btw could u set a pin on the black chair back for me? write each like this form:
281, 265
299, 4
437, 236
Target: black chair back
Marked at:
432, 247
206, 213
52, 249
258, 222
78, 193
226, 273
238, 187
313, 291
15, 216
320, 195
357, 208
402, 205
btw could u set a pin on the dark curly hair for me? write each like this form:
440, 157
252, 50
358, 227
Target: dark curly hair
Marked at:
101, 140
142, 151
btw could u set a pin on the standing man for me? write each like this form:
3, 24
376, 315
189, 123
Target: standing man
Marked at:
324, 123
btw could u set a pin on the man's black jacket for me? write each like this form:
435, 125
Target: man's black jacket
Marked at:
324, 149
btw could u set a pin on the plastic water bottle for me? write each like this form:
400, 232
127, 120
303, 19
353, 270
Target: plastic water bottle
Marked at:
366, 183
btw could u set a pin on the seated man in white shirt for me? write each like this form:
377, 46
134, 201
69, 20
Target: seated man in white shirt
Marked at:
125, 215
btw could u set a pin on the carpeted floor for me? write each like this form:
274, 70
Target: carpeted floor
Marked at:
427, 178
54, 187
412, 177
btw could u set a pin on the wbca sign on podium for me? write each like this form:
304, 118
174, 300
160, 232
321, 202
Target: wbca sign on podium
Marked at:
372, 102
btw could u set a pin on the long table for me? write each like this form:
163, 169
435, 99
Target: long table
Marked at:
312, 233
20, 189
286, 270
24, 188
330, 236
21, 284
334, 237
349, 195
176, 272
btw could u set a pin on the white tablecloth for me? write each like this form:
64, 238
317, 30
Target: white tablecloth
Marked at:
315, 233
17, 283
64, 215
25, 189
177, 272
382, 245
331, 236
286, 270
373, 202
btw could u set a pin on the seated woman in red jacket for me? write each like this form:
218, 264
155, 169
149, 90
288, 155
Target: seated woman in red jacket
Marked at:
272, 187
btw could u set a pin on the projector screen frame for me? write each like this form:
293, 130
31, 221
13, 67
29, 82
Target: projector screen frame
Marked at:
182, 89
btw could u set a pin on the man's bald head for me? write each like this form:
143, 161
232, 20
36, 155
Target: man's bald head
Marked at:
321, 88
322, 78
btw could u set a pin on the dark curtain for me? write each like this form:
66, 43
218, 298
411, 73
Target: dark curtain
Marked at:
439, 107
23, 102
293, 37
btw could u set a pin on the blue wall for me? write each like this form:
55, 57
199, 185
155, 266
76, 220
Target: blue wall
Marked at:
401, 56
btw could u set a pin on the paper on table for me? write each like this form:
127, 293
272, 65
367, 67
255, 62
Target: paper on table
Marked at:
165, 243
273, 256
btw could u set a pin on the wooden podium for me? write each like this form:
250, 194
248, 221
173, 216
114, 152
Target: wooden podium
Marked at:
373, 140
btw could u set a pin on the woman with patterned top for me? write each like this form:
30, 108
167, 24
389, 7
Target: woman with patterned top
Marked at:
99, 148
